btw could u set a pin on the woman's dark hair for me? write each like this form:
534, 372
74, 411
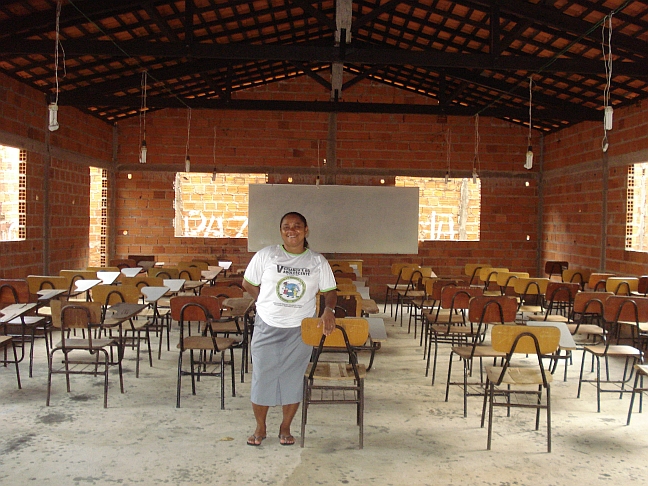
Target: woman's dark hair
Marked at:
301, 217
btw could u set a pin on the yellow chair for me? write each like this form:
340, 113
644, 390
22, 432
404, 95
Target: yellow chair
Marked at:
488, 276
472, 270
340, 382
622, 285
509, 380
576, 275
401, 283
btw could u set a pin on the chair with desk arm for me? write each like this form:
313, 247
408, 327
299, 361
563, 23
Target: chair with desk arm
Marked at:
23, 330
87, 316
136, 329
72, 276
483, 310
232, 322
450, 328
159, 314
397, 271
414, 289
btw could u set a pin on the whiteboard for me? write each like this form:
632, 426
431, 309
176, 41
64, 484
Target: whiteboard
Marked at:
341, 219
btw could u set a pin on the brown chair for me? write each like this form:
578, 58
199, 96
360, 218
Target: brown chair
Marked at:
642, 286
164, 272
87, 316
451, 328
587, 316
558, 302
401, 283
482, 311
641, 370
530, 292
335, 382
510, 381
554, 267
123, 263
23, 330
136, 330
597, 281
5, 343
205, 350
618, 311
232, 322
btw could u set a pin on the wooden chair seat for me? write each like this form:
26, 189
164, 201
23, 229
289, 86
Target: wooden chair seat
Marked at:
619, 350
588, 329
206, 343
517, 376
336, 371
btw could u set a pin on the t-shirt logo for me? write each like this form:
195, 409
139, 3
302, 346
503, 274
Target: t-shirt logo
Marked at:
290, 289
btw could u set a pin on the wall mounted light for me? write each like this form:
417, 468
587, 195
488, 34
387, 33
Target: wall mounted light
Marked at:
130, 176
125, 232
290, 180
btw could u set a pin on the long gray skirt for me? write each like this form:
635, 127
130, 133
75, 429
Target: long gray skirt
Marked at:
279, 361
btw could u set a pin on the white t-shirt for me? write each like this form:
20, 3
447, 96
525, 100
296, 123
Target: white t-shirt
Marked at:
289, 284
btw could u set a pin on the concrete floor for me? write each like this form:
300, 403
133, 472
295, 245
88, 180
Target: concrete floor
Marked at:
412, 436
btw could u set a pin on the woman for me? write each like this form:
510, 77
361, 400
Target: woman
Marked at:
284, 280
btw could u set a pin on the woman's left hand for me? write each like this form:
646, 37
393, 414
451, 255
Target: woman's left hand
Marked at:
327, 321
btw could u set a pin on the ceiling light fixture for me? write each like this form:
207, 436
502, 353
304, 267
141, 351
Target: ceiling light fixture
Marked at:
53, 123
607, 60
143, 147
214, 157
476, 163
529, 153
448, 149
187, 159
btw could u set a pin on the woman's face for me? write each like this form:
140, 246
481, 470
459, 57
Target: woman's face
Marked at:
293, 233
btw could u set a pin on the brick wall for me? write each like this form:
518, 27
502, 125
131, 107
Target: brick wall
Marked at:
384, 142
576, 175
64, 157
571, 219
